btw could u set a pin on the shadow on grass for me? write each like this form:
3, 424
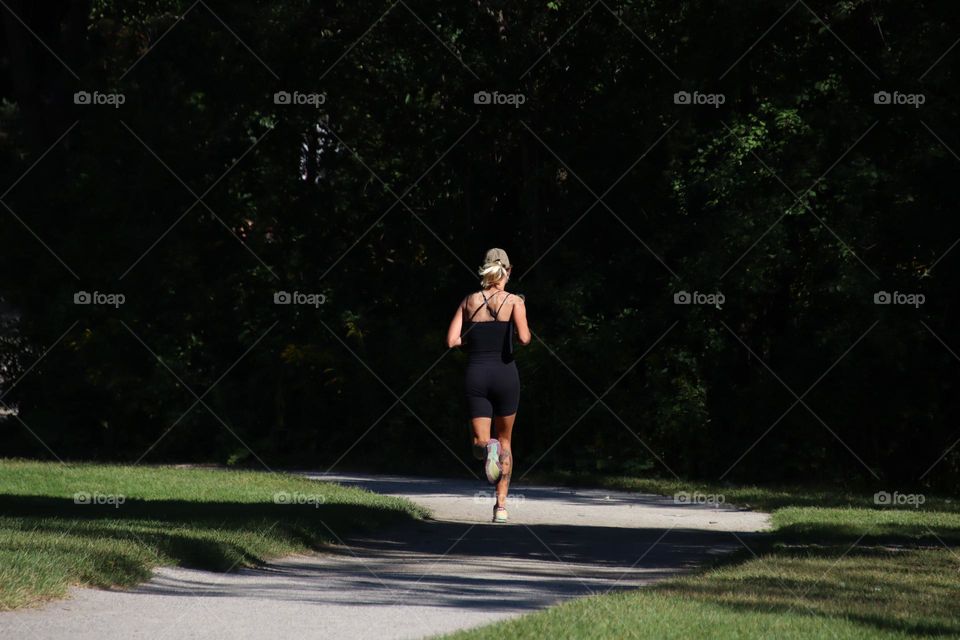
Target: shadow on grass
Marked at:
203, 535
900, 579
902, 592
881, 534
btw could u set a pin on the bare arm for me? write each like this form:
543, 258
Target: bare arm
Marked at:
520, 321
456, 326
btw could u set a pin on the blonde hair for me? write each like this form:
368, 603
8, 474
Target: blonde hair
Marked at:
492, 273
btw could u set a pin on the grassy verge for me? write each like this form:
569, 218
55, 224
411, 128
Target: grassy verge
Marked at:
834, 566
109, 525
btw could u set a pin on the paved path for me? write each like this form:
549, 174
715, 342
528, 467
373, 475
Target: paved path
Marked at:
455, 571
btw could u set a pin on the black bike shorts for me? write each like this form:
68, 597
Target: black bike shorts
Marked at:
493, 387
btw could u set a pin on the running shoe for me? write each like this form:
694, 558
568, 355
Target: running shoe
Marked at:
499, 514
491, 465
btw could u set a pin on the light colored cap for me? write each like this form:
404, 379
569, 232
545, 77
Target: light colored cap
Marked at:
496, 255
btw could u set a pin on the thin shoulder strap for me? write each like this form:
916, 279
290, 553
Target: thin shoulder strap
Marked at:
485, 304
502, 302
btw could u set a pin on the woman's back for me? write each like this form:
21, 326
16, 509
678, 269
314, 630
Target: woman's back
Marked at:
489, 306
488, 328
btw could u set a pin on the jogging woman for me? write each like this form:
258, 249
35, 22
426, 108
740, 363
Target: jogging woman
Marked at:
484, 324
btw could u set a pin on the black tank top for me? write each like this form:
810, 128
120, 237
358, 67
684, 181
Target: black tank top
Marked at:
491, 336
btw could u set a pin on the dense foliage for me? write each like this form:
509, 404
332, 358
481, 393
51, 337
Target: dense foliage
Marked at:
200, 197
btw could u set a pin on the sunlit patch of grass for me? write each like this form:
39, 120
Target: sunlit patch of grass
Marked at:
136, 518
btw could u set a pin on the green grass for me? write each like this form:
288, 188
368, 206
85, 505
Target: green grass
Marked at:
199, 518
834, 566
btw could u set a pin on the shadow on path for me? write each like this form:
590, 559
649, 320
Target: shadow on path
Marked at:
551, 552
464, 565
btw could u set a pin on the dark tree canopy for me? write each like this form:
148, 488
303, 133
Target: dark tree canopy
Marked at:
622, 152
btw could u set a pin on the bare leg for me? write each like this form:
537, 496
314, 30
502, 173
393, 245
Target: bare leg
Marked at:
481, 433
504, 433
